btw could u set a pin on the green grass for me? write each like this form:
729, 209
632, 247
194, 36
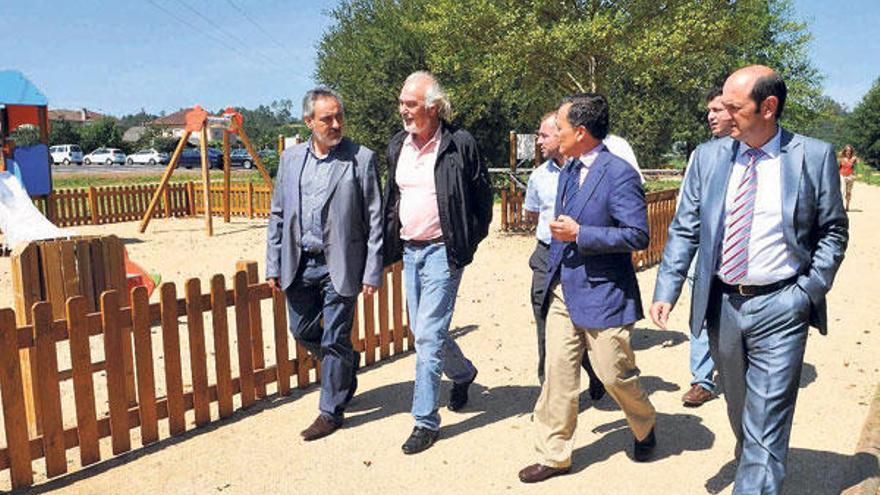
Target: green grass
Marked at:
82, 180
661, 184
869, 176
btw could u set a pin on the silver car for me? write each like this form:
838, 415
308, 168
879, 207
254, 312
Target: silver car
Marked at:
107, 156
148, 156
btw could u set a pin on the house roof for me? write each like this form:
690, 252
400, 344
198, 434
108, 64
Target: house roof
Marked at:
176, 119
81, 115
15, 89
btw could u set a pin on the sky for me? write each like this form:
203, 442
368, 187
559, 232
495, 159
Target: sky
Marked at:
119, 56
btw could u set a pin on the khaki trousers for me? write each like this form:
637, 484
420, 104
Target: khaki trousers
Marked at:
557, 408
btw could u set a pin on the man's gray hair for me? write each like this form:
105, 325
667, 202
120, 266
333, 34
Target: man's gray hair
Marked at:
435, 95
313, 95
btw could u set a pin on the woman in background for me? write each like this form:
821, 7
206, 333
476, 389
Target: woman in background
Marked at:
847, 164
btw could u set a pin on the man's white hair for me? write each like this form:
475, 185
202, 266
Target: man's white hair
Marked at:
435, 95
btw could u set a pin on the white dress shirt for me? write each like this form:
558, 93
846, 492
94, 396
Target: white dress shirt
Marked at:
769, 258
587, 160
619, 147
541, 197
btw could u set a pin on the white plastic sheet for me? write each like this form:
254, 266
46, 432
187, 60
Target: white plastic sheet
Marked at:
20, 220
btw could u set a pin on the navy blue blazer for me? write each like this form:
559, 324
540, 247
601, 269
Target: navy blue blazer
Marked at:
596, 272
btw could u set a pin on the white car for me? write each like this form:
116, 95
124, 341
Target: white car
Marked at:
148, 156
108, 156
66, 154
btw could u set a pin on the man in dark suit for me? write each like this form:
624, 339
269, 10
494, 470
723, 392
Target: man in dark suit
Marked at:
764, 214
592, 297
324, 246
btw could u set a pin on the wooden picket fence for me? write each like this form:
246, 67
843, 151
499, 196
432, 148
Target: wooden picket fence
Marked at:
112, 204
661, 210
245, 200
163, 398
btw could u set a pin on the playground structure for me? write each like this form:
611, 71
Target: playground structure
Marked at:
198, 120
21, 103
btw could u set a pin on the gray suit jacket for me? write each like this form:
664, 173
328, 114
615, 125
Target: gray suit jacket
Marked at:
814, 223
352, 219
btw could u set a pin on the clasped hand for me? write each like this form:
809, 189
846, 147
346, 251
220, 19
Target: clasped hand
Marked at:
564, 229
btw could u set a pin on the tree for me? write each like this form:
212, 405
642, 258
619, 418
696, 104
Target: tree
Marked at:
506, 62
365, 56
62, 132
864, 126
105, 132
831, 124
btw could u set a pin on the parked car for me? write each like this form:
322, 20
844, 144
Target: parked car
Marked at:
240, 156
149, 156
66, 154
107, 156
192, 156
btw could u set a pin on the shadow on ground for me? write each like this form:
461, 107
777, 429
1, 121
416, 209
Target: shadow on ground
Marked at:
676, 434
811, 472
645, 338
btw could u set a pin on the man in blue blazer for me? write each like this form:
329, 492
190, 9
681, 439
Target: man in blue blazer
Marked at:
764, 213
324, 246
592, 295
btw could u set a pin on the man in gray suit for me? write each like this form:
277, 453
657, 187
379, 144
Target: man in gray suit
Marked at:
324, 245
763, 211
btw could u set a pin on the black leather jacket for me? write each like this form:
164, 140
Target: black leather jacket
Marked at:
464, 196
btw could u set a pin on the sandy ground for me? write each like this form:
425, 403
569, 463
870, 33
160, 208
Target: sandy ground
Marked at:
482, 448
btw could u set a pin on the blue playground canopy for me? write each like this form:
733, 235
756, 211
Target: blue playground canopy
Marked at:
15, 89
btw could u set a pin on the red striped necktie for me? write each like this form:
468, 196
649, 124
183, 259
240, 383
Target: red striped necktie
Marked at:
738, 224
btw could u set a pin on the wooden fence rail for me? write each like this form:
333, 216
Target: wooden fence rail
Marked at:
661, 210
210, 369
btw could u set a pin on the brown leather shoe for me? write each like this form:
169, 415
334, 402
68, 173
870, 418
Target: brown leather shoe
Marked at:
539, 472
320, 428
696, 396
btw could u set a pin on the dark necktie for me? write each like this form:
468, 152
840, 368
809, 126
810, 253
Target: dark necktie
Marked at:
573, 181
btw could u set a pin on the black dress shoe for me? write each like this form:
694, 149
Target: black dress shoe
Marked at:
458, 397
644, 449
596, 390
420, 439
539, 472
320, 428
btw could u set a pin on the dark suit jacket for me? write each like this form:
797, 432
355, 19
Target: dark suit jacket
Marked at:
351, 217
598, 280
814, 223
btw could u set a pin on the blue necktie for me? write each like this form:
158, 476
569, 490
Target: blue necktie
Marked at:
573, 178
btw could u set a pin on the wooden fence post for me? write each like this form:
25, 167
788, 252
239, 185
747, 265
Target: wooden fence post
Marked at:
250, 200
191, 198
93, 204
256, 321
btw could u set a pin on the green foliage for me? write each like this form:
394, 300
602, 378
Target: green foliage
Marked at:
831, 124
365, 56
25, 135
506, 62
140, 118
152, 138
62, 132
264, 123
104, 132
864, 126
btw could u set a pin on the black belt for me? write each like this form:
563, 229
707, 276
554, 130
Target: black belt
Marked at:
753, 290
424, 243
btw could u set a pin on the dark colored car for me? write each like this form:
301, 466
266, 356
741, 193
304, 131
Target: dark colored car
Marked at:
192, 156
240, 156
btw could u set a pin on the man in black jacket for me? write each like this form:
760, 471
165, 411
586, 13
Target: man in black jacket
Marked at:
438, 208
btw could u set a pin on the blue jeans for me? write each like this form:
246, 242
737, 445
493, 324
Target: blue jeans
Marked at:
310, 298
431, 287
702, 365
